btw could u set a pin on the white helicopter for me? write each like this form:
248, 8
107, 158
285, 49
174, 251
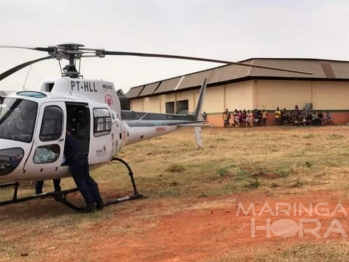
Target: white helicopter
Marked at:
33, 123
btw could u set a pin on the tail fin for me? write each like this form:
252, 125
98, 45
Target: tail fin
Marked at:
198, 109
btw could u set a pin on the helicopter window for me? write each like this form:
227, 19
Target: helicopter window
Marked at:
46, 154
17, 119
52, 123
31, 94
10, 159
102, 122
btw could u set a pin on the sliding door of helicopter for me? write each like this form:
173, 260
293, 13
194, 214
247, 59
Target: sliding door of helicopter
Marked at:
102, 144
46, 156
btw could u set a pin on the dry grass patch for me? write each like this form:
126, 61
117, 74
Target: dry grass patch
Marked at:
175, 175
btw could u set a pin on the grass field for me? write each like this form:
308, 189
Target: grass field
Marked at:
193, 195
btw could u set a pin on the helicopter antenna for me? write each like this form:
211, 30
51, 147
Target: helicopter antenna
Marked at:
25, 81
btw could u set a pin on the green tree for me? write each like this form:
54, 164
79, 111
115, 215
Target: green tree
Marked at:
120, 92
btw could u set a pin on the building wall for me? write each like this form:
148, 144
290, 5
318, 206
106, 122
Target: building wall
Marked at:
151, 104
324, 95
214, 99
331, 95
231, 96
164, 99
238, 96
136, 104
187, 95
271, 94
261, 94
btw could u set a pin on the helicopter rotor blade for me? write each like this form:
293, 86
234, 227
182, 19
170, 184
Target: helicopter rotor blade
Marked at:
73, 51
43, 49
102, 53
19, 67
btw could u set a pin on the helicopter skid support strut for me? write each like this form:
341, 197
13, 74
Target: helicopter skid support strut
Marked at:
135, 195
61, 196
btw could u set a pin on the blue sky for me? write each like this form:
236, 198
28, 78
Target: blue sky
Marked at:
221, 29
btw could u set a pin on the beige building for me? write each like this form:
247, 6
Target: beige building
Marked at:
240, 87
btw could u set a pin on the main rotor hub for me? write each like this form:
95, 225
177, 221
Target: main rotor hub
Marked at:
71, 52
70, 46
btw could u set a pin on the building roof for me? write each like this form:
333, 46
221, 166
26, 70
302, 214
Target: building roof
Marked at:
319, 69
134, 91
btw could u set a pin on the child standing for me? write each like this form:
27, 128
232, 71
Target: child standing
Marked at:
264, 117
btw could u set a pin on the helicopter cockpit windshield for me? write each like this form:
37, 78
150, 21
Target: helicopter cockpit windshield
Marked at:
17, 119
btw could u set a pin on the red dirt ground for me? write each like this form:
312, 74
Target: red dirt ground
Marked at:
200, 235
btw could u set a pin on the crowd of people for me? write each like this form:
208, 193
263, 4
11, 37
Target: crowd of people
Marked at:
243, 118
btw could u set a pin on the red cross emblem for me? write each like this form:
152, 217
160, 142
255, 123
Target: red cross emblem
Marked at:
108, 100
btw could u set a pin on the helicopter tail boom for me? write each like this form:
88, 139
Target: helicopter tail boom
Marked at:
139, 126
200, 102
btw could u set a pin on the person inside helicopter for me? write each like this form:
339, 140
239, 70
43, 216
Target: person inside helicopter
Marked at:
79, 169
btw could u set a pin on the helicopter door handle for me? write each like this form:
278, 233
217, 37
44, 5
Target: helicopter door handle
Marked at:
60, 140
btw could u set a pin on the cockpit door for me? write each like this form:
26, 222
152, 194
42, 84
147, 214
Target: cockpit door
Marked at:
46, 155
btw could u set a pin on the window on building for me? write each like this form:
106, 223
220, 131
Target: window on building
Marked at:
170, 107
52, 124
102, 122
182, 107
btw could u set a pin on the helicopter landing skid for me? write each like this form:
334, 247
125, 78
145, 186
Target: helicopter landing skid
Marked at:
135, 195
61, 196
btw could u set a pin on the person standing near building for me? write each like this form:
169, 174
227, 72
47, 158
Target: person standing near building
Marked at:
277, 115
328, 115
248, 118
204, 116
321, 117
229, 116
79, 168
296, 111
284, 117
236, 118
255, 117
225, 118
243, 117
264, 117
240, 118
